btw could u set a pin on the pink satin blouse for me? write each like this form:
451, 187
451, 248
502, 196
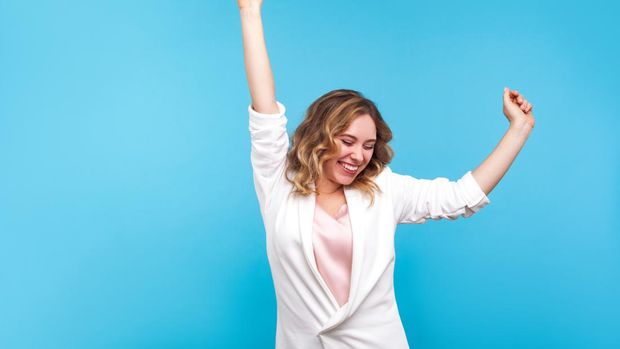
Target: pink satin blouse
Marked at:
332, 242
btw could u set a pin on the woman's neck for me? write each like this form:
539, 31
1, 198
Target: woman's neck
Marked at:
327, 187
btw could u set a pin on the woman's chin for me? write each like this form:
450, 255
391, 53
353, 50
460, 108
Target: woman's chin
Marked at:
346, 180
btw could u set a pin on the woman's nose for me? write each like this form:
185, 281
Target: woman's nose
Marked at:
357, 154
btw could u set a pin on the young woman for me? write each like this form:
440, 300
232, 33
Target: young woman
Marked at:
330, 205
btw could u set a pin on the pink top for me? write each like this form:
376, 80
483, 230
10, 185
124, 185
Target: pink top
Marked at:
332, 241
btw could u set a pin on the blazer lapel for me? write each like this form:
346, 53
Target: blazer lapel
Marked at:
356, 208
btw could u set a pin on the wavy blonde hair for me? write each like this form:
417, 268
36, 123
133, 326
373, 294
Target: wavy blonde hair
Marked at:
314, 143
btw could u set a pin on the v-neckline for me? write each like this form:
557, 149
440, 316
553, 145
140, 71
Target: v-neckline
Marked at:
355, 212
338, 214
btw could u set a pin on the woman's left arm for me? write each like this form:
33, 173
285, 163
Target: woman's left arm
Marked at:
518, 111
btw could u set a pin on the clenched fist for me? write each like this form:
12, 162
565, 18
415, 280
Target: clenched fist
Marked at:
517, 109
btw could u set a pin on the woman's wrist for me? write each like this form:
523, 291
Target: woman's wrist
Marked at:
250, 12
253, 7
521, 128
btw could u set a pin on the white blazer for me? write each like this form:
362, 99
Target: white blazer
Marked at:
308, 315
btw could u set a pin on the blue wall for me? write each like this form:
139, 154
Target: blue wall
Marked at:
128, 218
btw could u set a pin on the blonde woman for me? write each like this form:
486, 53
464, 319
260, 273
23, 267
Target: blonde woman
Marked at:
330, 205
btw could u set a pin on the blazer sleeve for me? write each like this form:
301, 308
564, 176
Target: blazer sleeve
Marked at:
270, 144
416, 200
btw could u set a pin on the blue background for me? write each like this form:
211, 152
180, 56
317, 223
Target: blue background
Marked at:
128, 217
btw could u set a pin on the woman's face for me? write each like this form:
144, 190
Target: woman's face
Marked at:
357, 145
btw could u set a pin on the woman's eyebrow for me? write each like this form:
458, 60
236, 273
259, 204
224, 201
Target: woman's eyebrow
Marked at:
355, 138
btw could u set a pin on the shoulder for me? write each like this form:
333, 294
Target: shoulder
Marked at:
384, 176
384, 180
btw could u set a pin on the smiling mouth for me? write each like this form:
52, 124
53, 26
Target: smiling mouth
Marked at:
350, 169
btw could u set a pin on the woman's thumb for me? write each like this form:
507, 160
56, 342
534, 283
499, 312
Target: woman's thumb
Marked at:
507, 96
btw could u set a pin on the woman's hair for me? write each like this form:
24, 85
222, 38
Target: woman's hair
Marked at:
314, 143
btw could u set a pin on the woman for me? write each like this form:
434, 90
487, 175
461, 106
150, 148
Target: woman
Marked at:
330, 205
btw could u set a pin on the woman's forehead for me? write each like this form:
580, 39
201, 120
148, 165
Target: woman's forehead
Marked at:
362, 127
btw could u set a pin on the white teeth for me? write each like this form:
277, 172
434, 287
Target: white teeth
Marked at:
349, 167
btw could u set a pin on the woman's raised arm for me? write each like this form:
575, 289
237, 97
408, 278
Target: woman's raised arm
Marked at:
518, 111
257, 67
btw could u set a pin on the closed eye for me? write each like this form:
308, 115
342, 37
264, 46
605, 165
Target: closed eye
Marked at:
348, 144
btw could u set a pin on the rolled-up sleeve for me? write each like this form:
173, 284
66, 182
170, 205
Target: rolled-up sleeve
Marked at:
270, 144
416, 200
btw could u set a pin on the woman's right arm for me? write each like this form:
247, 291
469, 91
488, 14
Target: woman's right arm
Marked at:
257, 67
267, 120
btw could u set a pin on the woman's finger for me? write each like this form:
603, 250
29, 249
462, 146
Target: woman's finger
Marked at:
520, 100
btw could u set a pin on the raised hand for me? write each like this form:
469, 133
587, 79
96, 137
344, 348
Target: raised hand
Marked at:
519, 112
517, 109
